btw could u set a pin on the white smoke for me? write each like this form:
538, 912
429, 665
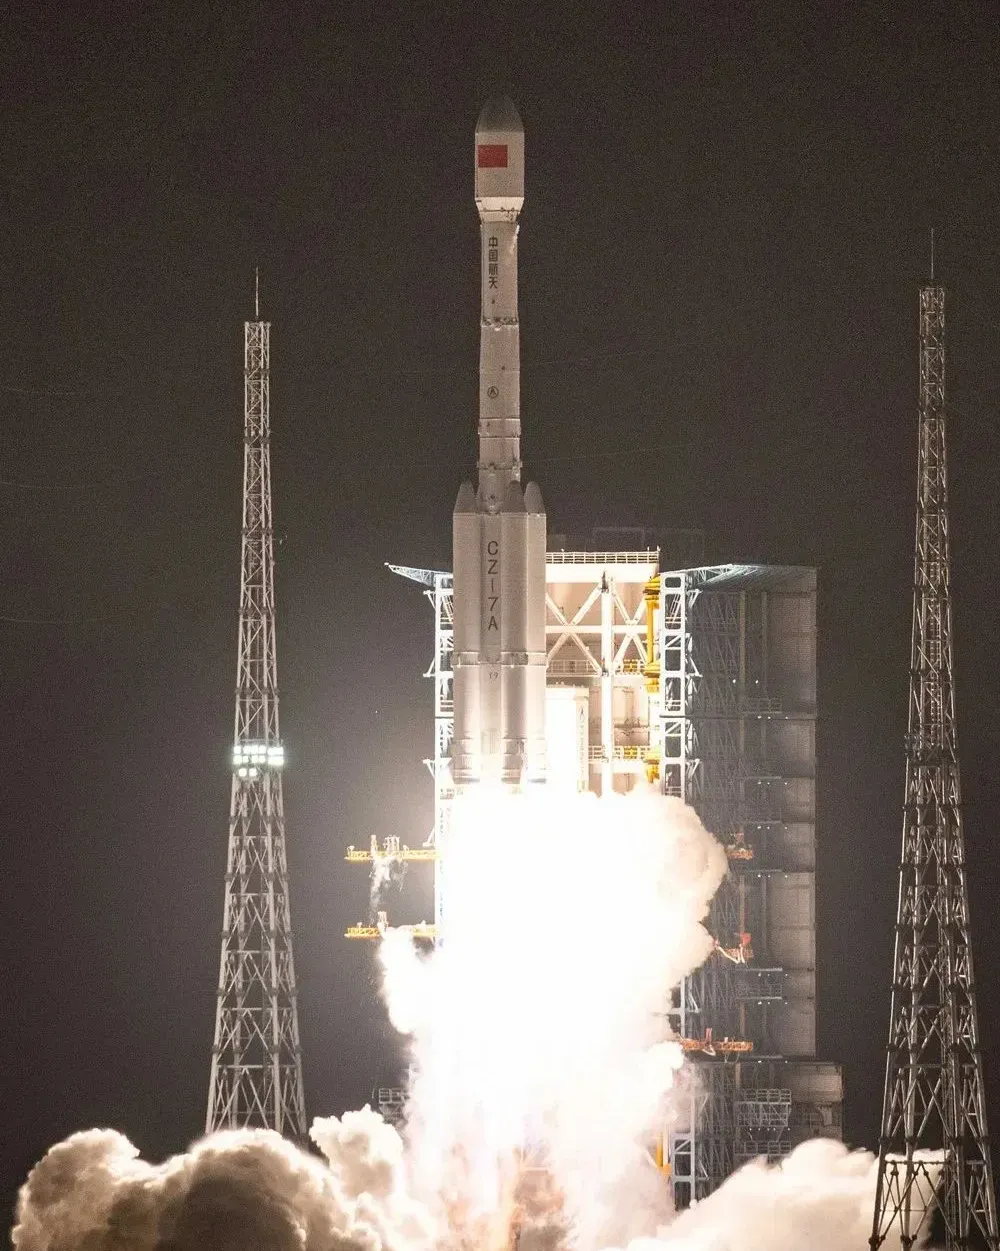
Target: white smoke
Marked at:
248, 1190
253, 1191
543, 1066
821, 1198
538, 1027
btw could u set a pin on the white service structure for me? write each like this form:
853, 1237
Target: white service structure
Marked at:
499, 527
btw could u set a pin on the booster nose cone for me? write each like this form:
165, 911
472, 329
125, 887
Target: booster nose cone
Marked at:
533, 499
466, 501
513, 500
499, 158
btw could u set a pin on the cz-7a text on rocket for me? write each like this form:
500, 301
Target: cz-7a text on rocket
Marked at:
499, 528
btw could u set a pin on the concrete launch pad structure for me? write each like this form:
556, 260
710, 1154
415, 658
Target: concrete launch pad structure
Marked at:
593, 670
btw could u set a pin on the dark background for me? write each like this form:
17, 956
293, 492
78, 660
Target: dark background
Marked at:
727, 221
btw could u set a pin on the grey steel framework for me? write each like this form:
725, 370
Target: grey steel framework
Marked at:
439, 590
737, 741
934, 1114
256, 1057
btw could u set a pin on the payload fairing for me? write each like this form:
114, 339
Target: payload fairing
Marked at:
499, 528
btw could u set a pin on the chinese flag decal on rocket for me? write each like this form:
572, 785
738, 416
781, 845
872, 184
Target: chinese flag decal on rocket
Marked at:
492, 156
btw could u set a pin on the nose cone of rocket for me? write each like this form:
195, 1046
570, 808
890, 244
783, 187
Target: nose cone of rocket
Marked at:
498, 114
499, 158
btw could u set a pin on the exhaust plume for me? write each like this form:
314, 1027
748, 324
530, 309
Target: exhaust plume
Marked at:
245, 1190
538, 1033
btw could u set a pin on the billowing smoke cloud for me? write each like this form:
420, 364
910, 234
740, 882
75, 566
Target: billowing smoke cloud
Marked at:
253, 1191
249, 1190
821, 1198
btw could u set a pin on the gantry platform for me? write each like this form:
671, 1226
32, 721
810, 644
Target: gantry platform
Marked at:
389, 849
421, 930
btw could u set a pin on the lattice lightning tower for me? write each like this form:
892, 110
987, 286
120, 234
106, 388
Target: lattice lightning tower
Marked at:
256, 1058
934, 1116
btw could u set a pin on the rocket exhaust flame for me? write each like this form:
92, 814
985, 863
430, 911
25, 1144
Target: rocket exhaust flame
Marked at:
537, 1025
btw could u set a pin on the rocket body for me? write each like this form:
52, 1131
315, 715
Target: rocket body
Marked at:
499, 527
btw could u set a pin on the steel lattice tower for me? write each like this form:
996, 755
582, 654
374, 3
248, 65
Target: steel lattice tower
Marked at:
256, 1057
933, 1135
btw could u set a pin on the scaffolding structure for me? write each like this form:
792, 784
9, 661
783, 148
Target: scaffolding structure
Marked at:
256, 1075
737, 728
934, 1151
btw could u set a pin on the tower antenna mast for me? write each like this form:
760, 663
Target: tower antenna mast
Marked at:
933, 1149
256, 1077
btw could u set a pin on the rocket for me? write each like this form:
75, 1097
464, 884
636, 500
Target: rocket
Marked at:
498, 535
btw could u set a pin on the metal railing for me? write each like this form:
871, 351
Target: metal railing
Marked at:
648, 557
625, 751
573, 667
763, 1109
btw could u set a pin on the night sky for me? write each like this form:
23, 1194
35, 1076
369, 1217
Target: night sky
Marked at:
726, 225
